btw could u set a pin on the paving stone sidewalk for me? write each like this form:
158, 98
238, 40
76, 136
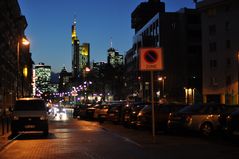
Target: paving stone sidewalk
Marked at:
5, 140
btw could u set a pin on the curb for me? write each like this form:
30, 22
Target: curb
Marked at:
5, 141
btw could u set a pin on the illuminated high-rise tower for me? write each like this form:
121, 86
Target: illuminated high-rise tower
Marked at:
80, 54
42, 78
84, 56
75, 51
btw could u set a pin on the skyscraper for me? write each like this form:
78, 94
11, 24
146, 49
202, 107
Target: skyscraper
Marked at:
84, 56
75, 51
42, 78
114, 58
80, 54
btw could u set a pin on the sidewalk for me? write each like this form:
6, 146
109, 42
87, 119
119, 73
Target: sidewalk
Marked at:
5, 140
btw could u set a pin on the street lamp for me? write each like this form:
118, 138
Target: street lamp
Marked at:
23, 41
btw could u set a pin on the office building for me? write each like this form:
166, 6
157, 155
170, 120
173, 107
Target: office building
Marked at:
84, 56
179, 35
15, 60
42, 78
64, 80
75, 52
220, 50
114, 58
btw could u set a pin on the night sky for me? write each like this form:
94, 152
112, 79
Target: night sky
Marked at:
98, 21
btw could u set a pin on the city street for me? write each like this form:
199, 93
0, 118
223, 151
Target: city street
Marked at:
74, 138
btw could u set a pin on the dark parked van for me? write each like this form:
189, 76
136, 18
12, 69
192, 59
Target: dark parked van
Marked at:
29, 114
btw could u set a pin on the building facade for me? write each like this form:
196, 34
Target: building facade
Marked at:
84, 56
15, 60
42, 78
80, 56
220, 50
64, 80
179, 36
114, 58
75, 52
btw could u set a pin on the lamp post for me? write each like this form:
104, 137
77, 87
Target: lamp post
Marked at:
23, 42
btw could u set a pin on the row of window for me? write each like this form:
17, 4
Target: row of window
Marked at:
228, 81
213, 46
214, 64
212, 29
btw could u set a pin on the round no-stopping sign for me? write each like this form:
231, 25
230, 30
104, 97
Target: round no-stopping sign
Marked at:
151, 59
150, 56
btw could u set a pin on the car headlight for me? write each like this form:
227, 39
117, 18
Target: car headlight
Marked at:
140, 114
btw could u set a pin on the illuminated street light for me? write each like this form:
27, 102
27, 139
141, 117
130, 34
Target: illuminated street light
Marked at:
25, 41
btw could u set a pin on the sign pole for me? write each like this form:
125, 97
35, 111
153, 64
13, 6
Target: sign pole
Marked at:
151, 59
152, 100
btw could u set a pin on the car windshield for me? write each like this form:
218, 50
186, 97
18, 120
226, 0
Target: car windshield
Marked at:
30, 105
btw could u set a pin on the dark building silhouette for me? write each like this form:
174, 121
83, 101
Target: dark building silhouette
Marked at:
64, 80
75, 52
179, 34
144, 12
80, 57
15, 60
220, 50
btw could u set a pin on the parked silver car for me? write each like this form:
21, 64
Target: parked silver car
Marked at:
201, 117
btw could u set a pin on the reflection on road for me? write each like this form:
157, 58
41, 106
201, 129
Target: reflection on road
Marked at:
60, 114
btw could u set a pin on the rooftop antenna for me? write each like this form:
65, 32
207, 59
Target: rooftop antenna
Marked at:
111, 43
74, 18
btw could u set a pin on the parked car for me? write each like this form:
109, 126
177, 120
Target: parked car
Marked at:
200, 117
101, 111
115, 113
229, 120
131, 112
162, 111
90, 111
29, 114
233, 123
80, 111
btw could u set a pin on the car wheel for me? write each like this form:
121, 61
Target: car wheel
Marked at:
206, 129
